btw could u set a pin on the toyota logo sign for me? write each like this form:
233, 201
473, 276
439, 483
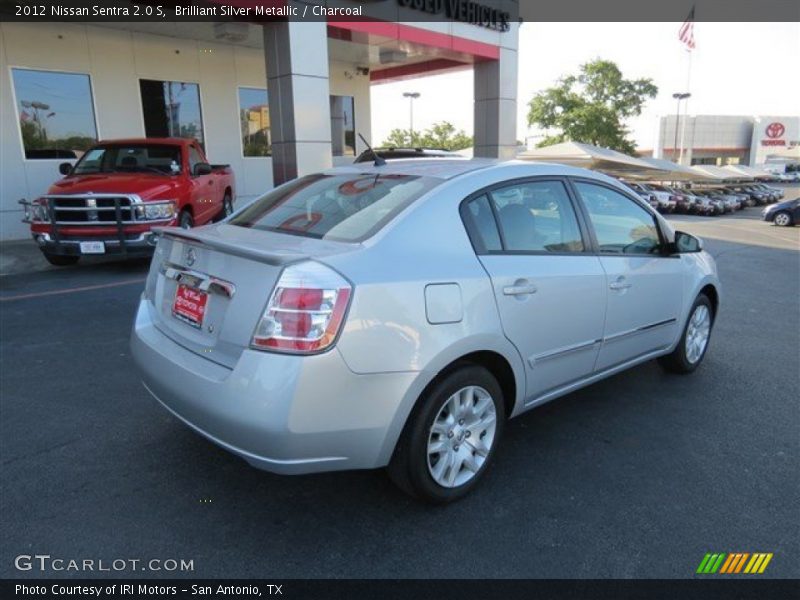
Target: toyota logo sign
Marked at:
775, 130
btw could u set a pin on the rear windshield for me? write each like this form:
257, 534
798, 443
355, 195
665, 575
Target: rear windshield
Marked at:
347, 208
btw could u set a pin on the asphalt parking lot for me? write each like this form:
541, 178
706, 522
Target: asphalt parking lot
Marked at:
637, 476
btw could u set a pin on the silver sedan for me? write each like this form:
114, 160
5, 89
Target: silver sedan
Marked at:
396, 315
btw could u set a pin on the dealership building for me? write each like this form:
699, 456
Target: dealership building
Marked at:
273, 99
770, 141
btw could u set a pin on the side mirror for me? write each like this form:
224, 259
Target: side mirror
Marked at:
65, 168
685, 243
202, 169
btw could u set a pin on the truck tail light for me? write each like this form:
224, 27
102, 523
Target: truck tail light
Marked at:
305, 312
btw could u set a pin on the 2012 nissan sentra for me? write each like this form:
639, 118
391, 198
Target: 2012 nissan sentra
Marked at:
397, 314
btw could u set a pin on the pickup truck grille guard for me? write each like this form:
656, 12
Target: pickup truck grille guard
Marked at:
119, 204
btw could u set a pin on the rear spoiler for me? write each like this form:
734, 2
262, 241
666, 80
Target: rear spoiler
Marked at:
250, 252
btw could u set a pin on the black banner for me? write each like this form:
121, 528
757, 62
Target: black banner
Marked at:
490, 14
403, 589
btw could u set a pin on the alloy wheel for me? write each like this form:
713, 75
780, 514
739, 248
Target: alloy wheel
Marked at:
697, 333
782, 219
461, 437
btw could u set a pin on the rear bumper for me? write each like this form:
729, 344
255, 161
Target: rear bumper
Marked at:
281, 413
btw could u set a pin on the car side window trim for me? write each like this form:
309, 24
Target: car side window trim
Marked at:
638, 202
477, 243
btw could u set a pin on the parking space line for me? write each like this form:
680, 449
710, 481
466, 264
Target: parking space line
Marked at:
85, 288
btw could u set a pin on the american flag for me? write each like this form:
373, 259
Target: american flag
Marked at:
686, 32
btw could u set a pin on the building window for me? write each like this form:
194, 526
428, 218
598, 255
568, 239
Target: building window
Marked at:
56, 113
343, 125
171, 109
254, 119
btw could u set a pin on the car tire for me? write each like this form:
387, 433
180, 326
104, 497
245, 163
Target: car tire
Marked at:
60, 260
227, 207
782, 218
457, 413
691, 348
185, 220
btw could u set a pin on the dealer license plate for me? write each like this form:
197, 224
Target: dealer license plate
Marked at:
190, 305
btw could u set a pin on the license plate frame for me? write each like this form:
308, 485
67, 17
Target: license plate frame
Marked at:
189, 305
93, 247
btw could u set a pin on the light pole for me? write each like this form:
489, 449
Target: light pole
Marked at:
678, 96
411, 97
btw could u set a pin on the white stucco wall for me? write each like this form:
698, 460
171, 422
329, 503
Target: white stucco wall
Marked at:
116, 59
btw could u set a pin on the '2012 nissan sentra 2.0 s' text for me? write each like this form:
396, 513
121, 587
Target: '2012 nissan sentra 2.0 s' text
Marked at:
397, 314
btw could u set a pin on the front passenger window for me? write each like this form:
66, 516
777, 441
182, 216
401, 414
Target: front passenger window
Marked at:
620, 224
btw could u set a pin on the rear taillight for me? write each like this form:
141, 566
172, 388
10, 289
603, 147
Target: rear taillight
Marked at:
305, 312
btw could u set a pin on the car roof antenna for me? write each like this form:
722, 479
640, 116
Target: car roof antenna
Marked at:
379, 162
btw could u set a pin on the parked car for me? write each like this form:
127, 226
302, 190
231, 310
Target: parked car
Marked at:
745, 200
666, 203
731, 201
716, 205
760, 197
648, 197
701, 205
110, 200
397, 315
393, 153
683, 203
723, 201
783, 214
775, 193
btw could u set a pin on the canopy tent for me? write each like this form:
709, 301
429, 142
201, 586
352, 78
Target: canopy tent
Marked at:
712, 172
590, 157
748, 172
666, 170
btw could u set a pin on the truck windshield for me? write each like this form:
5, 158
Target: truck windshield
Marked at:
160, 159
348, 207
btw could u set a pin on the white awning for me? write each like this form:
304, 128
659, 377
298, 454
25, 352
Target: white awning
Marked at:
666, 170
589, 157
748, 172
718, 173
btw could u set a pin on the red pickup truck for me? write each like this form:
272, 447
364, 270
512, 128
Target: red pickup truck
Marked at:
119, 190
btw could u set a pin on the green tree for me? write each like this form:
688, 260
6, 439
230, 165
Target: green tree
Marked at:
591, 107
443, 136
402, 138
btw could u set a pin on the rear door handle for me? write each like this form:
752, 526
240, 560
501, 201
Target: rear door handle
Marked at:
519, 289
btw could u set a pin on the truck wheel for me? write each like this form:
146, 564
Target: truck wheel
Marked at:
227, 207
61, 261
185, 220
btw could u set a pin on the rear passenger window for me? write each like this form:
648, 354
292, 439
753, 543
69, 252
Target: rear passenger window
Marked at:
481, 225
537, 216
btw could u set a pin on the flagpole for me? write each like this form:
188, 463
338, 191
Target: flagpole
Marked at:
686, 105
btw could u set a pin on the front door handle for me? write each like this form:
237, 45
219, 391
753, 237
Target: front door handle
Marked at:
519, 289
619, 284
